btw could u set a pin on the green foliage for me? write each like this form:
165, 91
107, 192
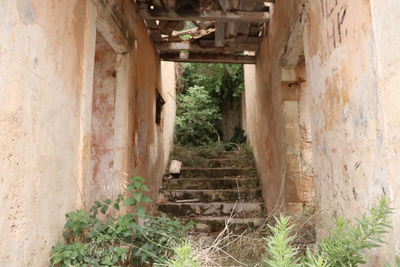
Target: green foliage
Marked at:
197, 117
346, 244
343, 247
222, 81
97, 238
184, 257
281, 253
205, 88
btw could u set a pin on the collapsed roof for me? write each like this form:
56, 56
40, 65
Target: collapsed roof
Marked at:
228, 31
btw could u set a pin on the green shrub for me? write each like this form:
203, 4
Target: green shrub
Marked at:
281, 253
117, 240
206, 88
344, 246
184, 257
197, 117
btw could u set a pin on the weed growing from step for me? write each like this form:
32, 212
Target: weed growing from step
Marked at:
97, 238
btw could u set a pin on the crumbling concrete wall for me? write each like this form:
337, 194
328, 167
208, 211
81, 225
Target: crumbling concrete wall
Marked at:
264, 107
387, 42
41, 58
150, 143
47, 62
351, 71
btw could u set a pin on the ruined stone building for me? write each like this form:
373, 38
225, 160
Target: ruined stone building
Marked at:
87, 99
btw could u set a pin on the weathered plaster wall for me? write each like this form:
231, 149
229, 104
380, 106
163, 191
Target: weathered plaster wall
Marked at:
264, 109
150, 143
103, 121
351, 66
387, 43
47, 62
41, 55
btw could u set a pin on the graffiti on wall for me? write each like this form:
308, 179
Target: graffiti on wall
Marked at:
334, 14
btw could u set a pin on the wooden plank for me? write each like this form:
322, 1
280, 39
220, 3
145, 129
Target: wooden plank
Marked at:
224, 4
234, 41
220, 34
207, 58
209, 47
212, 15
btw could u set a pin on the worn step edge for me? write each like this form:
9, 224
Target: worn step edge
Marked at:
218, 168
212, 183
215, 224
223, 195
188, 210
217, 172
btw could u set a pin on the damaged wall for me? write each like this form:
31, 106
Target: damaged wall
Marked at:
348, 60
47, 61
150, 143
387, 42
346, 103
41, 57
264, 107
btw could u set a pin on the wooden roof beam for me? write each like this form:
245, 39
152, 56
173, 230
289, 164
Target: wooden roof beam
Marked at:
212, 15
207, 47
207, 58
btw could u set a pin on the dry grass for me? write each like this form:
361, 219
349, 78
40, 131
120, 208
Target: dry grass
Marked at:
247, 247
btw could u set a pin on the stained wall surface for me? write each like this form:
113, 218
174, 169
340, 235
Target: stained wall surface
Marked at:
387, 42
41, 57
346, 102
264, 107
47, 61
101, 168
353, 121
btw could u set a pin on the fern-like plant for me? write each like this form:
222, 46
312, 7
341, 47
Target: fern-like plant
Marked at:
184, 257
345, 245
280, 252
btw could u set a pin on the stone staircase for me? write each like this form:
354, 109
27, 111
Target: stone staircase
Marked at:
214, 191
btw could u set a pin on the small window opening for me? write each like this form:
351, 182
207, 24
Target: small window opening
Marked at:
159, 104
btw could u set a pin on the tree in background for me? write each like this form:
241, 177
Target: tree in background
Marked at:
205, 87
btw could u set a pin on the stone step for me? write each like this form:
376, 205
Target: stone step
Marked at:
217, 163
225, 195
218, 209
213, 183
216, 224
217, 172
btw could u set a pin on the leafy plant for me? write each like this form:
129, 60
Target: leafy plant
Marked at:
281, 253
117, 240
343, 247
197, 117
206, 88
184, 257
